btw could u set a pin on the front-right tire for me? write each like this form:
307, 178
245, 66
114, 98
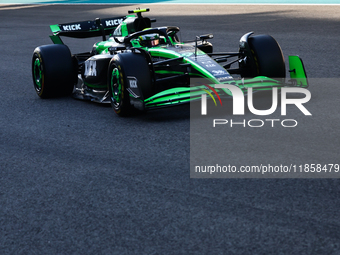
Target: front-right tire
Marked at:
265, 58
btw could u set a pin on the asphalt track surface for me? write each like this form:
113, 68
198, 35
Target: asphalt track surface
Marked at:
77, 179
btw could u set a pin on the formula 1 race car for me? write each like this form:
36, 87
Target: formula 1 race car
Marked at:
139, 67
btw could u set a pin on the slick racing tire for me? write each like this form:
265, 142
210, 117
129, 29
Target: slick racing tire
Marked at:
53, 71
268, 57
125, 65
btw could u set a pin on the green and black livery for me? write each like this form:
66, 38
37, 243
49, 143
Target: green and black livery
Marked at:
123, 71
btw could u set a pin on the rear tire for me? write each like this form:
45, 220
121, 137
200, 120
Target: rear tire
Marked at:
53, 71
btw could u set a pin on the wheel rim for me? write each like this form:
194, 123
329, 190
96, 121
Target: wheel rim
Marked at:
37, 74
116, 88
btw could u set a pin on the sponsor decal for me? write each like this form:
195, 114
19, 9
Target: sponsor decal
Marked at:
208, 63
226, 78
90, 68
219, 72
73, 27
113, 22
132, 82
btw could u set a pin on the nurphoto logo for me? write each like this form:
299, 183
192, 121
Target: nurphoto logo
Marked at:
238, 106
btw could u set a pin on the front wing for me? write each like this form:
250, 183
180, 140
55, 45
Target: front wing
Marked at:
176, 96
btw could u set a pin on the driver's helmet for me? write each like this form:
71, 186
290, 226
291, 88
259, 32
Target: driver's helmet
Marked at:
149, 40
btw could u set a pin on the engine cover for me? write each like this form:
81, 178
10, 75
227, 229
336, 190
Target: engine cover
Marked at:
94, 71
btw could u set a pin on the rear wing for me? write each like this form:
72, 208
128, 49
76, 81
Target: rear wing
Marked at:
85, 29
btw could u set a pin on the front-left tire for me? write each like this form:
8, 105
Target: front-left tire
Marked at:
53, 71
121, 67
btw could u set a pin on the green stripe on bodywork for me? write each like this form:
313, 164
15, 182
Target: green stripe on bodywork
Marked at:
165, 53
95, 86
178, 73
258, 83
176, 96
186, 94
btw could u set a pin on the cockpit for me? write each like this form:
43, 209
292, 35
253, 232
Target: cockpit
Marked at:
136, 31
